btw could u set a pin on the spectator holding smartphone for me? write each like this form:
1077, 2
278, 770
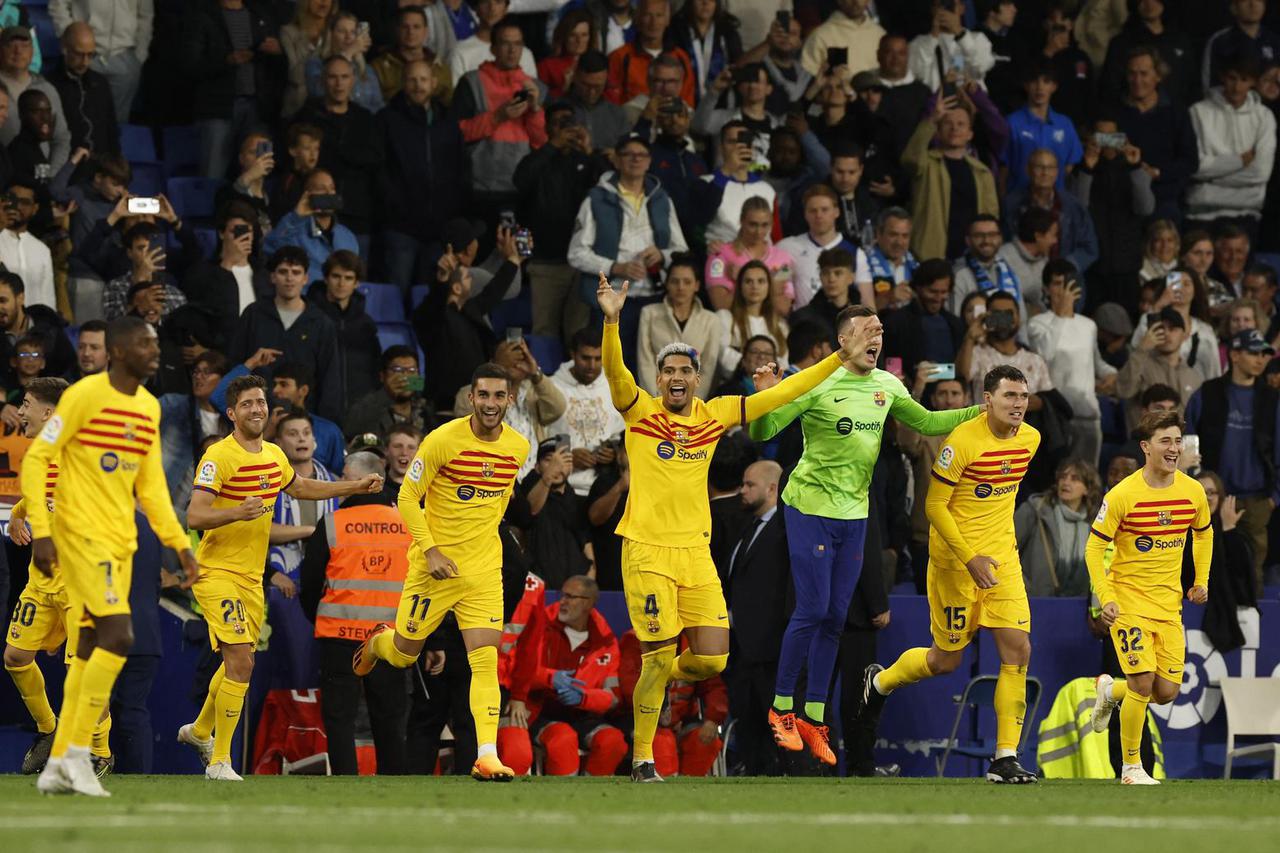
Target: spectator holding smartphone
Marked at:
229, 282
852, 27
348, 37
399, 400
144, 246
257, 161
313, 225
590, 420
949, 52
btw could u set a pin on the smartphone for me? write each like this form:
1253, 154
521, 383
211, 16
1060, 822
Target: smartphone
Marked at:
563, 442
1153, 320
144, 204
1191, 445
524, 242
943, 371
263, 148
671, 107
893, 364
417, 382
520, 97
784, 20
979, 309
514, 334
362, 28
837, 56
998, 321
747, 137
1110, 140
948, 88
327, 202
1174, 281
507, 219
238, 231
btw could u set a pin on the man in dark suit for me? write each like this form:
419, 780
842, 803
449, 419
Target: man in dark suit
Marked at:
724, 479
757, 586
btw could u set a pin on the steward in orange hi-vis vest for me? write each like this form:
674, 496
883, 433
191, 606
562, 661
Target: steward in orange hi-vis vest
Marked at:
368, 561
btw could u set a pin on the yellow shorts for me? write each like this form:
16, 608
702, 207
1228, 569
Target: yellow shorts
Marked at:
97, 575
43, 619
958, 608
670, 589
1150, 645
233, 606
475, 599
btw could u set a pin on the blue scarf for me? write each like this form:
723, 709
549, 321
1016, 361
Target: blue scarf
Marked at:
1007, 281
287, 558
882, 270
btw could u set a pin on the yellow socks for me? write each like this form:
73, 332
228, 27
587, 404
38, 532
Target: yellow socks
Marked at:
30, 683
70, 701
691, 667
1119, 689
227, 704
203, 726
486, 697
101, 746
99, 677
384, 648
1133, 716
910, 667
651, 687
1011, 707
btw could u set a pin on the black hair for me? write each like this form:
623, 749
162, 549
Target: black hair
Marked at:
93, 326
1159, 393
806, 335
835, 259
593, 62
300, 373
589, 336
1001, 372
395, 351
291, 255
122, 330
1058, 267
241, 384
489, 370
1033, 221
930, 271
14, 281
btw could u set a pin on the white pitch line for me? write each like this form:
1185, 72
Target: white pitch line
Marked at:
173, 814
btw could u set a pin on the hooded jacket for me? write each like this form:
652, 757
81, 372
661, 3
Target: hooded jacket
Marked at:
1223, 186
496, 147
589, 418
594, 663
311, 340
424, 174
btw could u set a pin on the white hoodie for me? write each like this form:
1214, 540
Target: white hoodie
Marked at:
1224, 186
588, 420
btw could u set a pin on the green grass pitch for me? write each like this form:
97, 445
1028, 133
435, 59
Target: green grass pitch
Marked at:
320, 815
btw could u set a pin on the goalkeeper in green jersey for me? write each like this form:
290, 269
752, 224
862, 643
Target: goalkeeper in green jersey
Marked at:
826, 520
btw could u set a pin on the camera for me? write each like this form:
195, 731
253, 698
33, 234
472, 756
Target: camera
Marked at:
143, 204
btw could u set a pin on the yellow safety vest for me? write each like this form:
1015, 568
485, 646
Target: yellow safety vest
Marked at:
1070, 749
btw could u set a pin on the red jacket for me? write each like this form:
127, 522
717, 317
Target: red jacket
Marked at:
687, 701
629, 74
595, 663
517, 651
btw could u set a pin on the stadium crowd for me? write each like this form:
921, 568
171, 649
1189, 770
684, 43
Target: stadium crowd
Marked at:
364, 200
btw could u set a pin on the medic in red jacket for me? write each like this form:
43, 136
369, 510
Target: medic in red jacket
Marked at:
688, 737
561, 694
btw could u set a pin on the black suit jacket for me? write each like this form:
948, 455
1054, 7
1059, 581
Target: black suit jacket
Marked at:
759, 593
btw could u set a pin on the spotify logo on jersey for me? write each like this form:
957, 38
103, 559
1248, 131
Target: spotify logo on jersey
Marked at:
109, 462
982, 490
666, 450
844, 426
466, 493
1144, 543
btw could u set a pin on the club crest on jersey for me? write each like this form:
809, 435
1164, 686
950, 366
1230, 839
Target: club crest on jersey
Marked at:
1006, 467
486, 470
1164, 517
411, 626
111, 597
666, 450
263, 482
15, 632
682, 436
653, 626
1144, 543
953, 638
129, 433
877, 397
1133, 659
109, 462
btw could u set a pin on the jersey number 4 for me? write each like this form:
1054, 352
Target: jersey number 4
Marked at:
1130, 640
651, 605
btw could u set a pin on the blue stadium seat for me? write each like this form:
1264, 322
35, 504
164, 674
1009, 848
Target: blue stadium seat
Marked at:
383, 302
207, 238
180, 147
148, 179
138, 144
547, 351
46, 33
192, 198
1270, 260
417, 293
980, 692
390, 334
513, 312
35, 2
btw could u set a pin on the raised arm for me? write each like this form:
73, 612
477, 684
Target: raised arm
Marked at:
771, 423
622, 385
910, 413
306, 489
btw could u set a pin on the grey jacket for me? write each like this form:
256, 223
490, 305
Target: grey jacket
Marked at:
1036, 530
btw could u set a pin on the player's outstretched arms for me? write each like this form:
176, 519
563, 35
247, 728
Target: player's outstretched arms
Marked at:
623, 390
203, 515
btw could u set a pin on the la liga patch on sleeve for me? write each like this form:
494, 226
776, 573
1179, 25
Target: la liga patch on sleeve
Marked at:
415, 470
208, 473
945, 457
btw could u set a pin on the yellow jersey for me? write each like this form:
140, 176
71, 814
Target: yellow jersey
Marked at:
1150, 528
107, 447
456, 491
979, 474
18, 514
231, 473
670, 454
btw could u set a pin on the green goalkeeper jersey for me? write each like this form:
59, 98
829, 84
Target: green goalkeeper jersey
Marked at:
843, 421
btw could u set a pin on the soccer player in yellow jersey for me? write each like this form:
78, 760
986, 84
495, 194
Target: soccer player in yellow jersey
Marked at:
452, 498
43, 617
1149, 515
104, 436
975, 577
237, 483
670, 582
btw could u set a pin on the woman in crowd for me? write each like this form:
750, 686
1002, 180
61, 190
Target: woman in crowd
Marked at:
679, 317
305, 37
972, 307
752, 244
751, 314
573, 37
1231, 579
709, 34
1160, 252
346, 38
1053, 530
1186, 292
1197, 256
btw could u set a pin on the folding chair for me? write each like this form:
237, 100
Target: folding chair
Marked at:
980, 692
1253, 710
